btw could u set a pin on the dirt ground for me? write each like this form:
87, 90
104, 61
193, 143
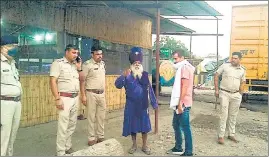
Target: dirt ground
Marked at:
251, 129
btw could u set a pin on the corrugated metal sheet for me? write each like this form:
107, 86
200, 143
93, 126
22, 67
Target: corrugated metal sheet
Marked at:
116, 25
40, 14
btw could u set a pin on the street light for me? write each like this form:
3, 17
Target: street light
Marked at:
38, 37
48, 37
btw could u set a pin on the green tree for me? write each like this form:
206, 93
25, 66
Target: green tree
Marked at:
173, 44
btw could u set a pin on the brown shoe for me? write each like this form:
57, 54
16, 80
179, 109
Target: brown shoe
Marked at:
91, 143
70, 151
221, 140
100, 140
232, 138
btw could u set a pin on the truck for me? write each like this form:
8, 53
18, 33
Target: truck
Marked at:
249, 35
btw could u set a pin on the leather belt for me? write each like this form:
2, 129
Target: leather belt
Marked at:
70, 95
18, 98
96, 91
229, 91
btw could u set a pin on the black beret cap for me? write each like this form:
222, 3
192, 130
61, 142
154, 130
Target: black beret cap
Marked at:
5, 40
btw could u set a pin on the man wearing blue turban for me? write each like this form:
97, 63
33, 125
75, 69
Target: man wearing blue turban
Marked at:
138, 89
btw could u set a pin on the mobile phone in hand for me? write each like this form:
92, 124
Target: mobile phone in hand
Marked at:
182, 110
78, 59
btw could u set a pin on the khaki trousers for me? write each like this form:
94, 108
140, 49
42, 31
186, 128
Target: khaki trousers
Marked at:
66, 124
96, 110
10, 120
230, 104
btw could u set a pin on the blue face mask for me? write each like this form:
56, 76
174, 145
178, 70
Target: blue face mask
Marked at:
12, 52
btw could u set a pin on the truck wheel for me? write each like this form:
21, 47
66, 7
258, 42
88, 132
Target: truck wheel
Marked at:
244, 97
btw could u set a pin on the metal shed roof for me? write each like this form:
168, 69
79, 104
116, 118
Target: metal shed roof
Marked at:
170, 8
167, 8
167, 25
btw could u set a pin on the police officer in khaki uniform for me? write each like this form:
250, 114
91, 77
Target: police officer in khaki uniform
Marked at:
230, 94
93, 95
11, 92
64, 82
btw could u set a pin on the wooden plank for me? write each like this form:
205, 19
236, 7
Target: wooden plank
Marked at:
42, 99
24, 101
107, 21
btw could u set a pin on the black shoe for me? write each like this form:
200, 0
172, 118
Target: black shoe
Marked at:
185, 154
70, 151
175, 151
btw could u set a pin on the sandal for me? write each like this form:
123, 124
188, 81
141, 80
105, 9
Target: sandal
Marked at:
132, 150
146, 150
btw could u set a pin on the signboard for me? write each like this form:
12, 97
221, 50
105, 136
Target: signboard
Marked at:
165, 53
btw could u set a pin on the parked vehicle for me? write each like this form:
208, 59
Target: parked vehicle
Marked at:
249, 35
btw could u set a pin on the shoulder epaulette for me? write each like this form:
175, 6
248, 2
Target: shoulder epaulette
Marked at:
60, 60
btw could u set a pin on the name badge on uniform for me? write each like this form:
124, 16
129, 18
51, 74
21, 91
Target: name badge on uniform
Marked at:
6, 70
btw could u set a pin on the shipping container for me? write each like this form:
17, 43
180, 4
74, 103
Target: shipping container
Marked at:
249, 35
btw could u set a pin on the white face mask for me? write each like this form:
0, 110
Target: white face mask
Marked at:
175, 65
179, 64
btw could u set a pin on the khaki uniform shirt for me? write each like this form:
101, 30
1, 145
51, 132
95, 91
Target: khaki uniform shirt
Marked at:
231, 77
95, 74
66, 74
10, 84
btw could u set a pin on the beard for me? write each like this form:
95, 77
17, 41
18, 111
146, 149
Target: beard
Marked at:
137, 71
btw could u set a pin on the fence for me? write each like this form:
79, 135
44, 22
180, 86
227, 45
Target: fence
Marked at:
38, 104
